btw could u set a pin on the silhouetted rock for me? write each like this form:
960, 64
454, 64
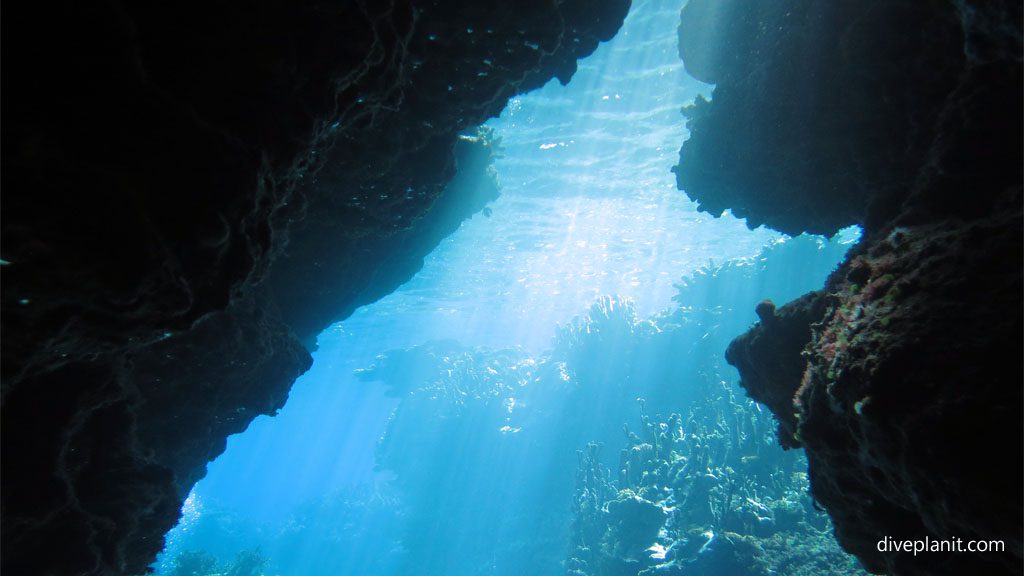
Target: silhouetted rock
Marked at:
902, 378
768, 358
822, 111
192, 191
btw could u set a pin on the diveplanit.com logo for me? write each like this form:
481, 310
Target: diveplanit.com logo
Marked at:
927, 544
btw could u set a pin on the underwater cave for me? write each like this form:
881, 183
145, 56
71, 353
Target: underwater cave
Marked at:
573, 288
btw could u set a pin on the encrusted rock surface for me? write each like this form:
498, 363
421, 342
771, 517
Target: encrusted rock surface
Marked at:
191, 192
765, 354
910, 408
901, 378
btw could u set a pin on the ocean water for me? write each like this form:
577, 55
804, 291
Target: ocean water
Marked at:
548, 395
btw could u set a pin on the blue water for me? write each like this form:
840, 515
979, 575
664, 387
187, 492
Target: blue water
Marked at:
478, 470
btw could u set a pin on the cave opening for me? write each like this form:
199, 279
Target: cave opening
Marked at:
469, 422
542, 342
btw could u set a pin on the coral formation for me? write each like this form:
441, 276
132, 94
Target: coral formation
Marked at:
692, 500
193, 563
901, 378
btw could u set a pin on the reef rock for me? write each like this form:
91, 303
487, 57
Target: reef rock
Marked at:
765, 354
901, 378
909, 408
633, 525
191, 193
821, 110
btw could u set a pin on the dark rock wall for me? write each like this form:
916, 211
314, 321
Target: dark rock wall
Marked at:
910, 408
822, 110
901, 378
191, 192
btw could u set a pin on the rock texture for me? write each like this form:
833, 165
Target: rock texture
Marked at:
901, 378
192, 191
764, 356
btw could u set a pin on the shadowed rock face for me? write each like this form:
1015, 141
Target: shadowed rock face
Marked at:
901, 378
191, 192
821, 109
765, 358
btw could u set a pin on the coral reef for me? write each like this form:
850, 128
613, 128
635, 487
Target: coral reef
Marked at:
471, 422
483, 437
193, 191
901, 378
349, 532
195, 563
698, 498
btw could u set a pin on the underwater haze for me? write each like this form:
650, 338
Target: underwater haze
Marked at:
548, 395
